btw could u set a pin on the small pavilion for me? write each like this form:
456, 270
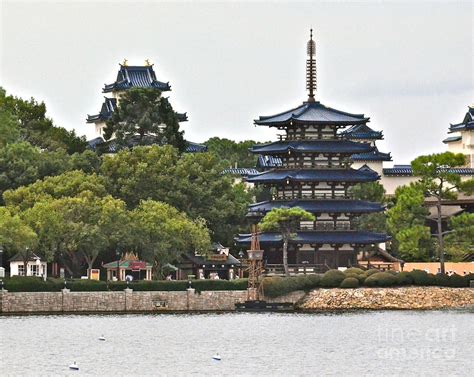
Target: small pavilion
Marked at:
128, 265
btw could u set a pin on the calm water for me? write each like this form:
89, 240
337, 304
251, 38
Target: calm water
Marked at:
350, 344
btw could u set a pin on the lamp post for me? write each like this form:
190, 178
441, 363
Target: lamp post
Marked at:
1, 256
117, 253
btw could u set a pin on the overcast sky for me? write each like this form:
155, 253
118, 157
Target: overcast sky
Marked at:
407, 65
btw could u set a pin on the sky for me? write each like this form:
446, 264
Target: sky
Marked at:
406, 65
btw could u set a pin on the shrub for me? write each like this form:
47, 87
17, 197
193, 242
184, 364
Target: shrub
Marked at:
354, 270
381, 279
278, 286
29, 284
86, 285
332, 279
371, 272
404, 278
360, 277
458, 281
442, 280
421, 277
350, 283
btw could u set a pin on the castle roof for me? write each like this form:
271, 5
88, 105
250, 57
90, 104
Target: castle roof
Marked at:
317, 206
318, 237
312, 113
374, 155
106, 111
136, 77
268, 162
313, 146
406, 170
321, 175
362, 132
466, 124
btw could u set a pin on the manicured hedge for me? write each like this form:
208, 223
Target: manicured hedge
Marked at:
277, 286
350, 283
381, 279
332, 278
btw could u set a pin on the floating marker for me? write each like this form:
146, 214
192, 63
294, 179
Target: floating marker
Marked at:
102, 338
74, 366
216, 357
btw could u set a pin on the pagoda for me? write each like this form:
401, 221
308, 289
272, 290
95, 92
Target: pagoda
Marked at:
315, 174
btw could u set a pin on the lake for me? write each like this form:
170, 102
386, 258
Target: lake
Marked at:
434, 343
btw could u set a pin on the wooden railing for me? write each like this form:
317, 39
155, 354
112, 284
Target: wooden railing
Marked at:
295, 269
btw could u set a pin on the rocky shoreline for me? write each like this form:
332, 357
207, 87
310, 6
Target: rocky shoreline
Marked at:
403, 298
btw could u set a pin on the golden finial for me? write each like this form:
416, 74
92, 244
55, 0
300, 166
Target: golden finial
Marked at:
311, 77
125, 62
147, 62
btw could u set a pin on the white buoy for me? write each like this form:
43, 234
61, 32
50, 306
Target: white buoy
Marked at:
102, 338
216, 357
74, 366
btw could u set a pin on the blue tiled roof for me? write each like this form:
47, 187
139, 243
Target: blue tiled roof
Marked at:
322, 175
452, 139
268, 162
313, 146
362, 132
111, 146
406, 170
375, 155
244, 172
318, 206
318, 237
136, 77
93, 143
314, 113
108, 107
466, 124
195, 147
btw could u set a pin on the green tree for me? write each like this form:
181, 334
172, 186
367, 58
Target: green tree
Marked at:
144, 113
406, 223
69, 184
440, 182
286, 221
9, 128
36, 128
192, 183
16, 236
163, 234
233, 153
461, 239
372, 192
76, 230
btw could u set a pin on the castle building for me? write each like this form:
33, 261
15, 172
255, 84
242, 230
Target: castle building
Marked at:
129, 77
462, 140
315, 174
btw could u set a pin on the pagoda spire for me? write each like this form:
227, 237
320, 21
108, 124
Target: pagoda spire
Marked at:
311, 78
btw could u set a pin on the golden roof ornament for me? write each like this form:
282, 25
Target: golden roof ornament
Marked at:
147, 62
125, 62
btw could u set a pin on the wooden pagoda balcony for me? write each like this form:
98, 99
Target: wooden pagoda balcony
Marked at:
295, 269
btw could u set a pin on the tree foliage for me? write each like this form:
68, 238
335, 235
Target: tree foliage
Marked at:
15, 235
143, 114
285, 221
461, 241
192, 183
35, 127
406, 223
372, 192
233, 153
440, 182
163, 234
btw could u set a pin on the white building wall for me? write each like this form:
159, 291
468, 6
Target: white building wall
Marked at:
41, 269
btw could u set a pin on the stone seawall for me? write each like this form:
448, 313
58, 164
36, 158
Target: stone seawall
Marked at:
125, 301
388, 298
186, 301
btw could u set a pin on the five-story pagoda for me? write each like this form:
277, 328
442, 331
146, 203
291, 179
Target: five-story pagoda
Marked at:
315, 175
